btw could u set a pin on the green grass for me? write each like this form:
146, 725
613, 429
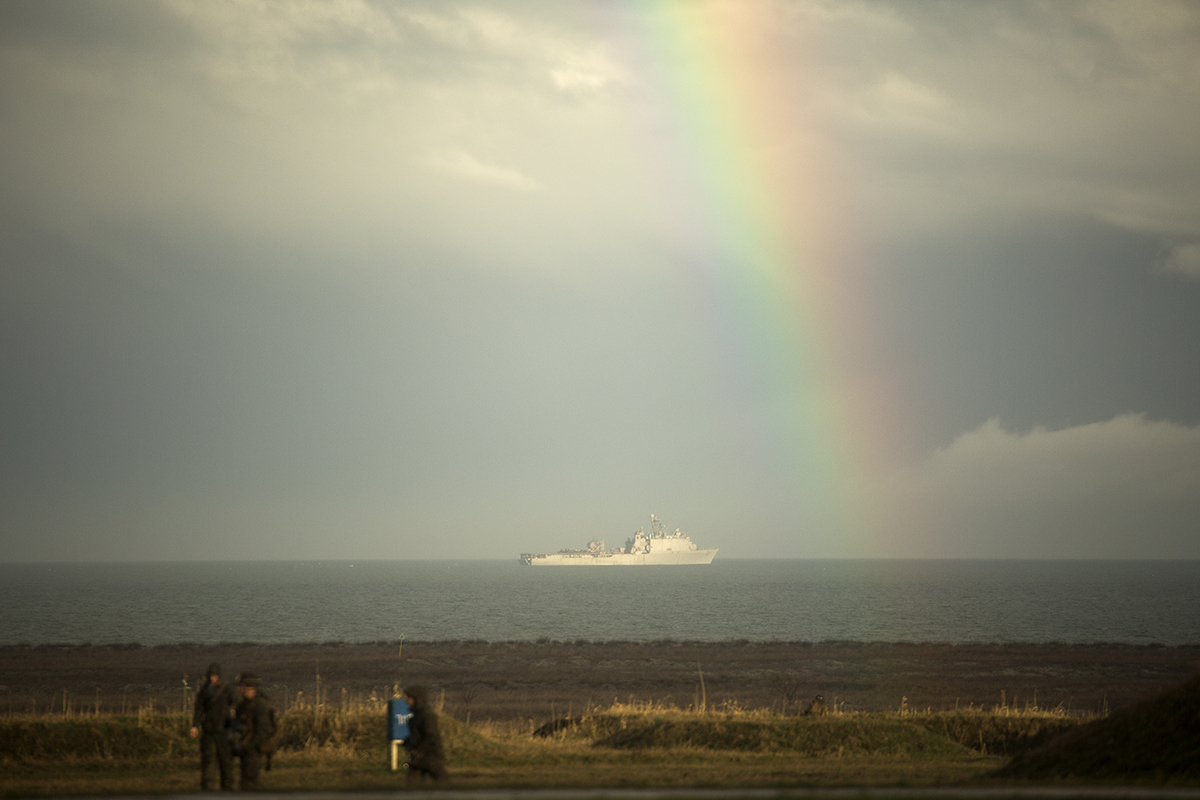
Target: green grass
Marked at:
621, 746
103, 739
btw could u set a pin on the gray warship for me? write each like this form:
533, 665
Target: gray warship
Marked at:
656, 548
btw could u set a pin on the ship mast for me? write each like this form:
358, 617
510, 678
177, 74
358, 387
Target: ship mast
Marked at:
656, 526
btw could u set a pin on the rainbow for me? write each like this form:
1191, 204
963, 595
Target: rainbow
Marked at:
758, 208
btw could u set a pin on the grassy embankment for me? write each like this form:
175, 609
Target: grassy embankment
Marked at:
630, 745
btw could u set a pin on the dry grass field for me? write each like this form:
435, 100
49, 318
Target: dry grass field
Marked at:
533, 682
623, 745
106, 720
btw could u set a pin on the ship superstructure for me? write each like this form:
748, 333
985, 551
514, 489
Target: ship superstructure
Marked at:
657, 547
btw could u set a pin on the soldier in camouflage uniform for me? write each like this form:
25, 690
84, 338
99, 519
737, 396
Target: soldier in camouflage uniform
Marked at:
211, 722
424, 742
255, 728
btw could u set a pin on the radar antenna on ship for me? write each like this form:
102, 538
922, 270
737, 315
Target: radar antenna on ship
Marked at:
657, 527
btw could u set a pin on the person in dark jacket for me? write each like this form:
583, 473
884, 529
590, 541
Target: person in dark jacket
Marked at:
424, 742
816, 708
255, 728
211, 722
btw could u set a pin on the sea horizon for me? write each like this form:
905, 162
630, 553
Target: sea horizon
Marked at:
1073, 601
498, 559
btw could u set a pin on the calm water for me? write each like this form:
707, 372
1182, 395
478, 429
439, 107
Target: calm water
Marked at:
946, 601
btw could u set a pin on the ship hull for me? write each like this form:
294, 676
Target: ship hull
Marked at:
584, 559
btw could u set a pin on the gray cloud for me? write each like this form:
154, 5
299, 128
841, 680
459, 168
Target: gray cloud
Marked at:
955, 111
315, 281
1107, 489
1184, 259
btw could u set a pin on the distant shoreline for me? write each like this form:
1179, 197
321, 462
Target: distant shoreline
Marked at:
506, 680
543, 641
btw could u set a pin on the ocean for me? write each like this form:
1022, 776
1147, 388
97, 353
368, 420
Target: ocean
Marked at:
1134, 602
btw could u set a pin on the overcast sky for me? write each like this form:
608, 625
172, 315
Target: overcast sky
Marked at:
464, 280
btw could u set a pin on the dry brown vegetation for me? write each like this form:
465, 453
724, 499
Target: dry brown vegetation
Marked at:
621, 714
532, 682
625, 744
1156, 740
